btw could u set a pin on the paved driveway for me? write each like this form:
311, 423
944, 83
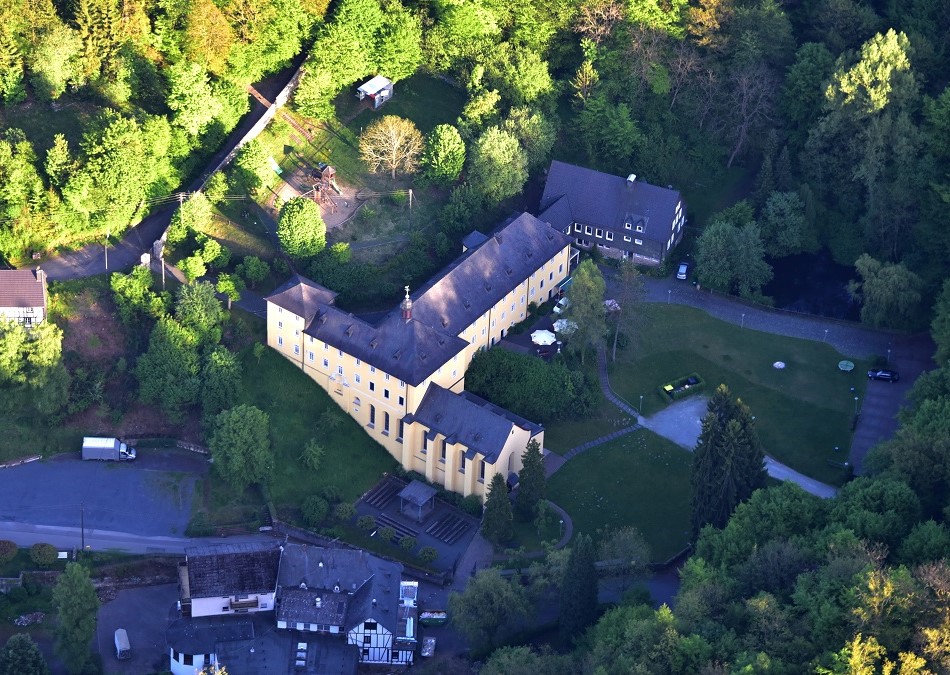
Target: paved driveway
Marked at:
143, 613
149, 496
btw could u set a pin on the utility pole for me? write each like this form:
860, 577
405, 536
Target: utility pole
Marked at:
108, 233
82, 524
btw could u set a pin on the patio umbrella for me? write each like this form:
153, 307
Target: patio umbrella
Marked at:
564, 326
543, 337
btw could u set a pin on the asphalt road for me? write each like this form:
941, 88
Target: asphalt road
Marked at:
150, 496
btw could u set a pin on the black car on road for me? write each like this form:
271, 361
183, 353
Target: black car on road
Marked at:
884, 375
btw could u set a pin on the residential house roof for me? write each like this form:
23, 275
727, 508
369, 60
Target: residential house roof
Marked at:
474, 238
483, 275
232, 569
607, 201
374, 85
464, 418
336, 575
22, 288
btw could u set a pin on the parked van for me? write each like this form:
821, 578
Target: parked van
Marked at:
122, 649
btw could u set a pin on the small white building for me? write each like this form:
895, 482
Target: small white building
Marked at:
23, 297
379, 89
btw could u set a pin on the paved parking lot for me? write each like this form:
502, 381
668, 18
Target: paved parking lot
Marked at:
149, 496
143, 613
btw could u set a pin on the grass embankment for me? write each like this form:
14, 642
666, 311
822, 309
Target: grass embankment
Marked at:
802, 411
639, 479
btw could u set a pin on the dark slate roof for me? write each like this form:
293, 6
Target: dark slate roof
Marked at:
558, 214
409, 350
607, 201
480, 277
417, 493
359, 575
232, 569
306, 605
302, 297
473, 239
199, 635
467, 419
22, 288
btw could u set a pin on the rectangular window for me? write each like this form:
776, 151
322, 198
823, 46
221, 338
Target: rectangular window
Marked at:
325, 346
560, 268
598, 232
280, 341
551, 276
339, 352
588, 229
402, 385
339, 370
326, 363
638, 242
296, 333
310, 356
627, 225
610, 236
461, 461
386, 423
296, 349
280, 324
372, 386
402, 400
385, 393
481, 470
372, 416
425, 444
369, 626
386, 376
358, 379
626, 238
402, 428
358, 362
442, 452
367, 639
372, 369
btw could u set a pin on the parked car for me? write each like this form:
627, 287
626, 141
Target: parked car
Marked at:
561, 305
683, 271
884, 375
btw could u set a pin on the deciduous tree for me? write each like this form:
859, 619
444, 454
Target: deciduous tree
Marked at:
240, 446
168, 372
498, 165
301, 229
625, 553
586, 308
198, 309
488, 608
391, 144
220, 382
444, 155
75, 602
890, 293
190, 97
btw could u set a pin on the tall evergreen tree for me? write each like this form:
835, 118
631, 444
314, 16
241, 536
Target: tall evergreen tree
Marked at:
728, 465
531, 480
497, 522
579, 590
21, 656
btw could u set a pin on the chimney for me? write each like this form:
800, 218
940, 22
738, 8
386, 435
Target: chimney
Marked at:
630, 179
406, 307
40, 275
319, 602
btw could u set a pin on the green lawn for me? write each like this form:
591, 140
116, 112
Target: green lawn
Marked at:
639, 479
426, 100
295, 403
561, 436
802, 411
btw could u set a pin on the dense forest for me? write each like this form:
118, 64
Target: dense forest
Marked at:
832, 117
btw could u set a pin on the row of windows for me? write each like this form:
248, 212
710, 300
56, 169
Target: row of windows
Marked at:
461, 463
585, 242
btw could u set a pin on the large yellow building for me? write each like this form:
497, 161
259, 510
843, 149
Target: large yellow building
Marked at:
403, 378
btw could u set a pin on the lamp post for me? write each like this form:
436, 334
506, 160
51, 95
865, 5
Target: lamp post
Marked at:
82, 525
826, 335
742, 325
641, 404
106, 247
888, 356
669, 296
855, 405
561, 530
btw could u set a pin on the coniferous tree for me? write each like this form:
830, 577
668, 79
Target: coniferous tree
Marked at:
728, 465
75, 601
497, 522
579, 589
531, 480
21, 656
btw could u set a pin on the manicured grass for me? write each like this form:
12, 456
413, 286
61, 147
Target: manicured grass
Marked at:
802, 411
639, 479
352, 461
561, 436
426, 100
241, 238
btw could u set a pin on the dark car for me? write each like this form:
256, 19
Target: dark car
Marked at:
884, 375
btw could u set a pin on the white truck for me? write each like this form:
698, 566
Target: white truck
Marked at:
112, 449
122, 648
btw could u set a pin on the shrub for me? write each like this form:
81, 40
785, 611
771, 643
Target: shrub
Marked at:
427, 554
312, 455
315, 510
332, 493
8, 550
386, 534
43, 555
366, 523
682, 387
472, 505
344, 511
407, 543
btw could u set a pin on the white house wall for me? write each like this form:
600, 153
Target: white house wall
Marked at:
221, 606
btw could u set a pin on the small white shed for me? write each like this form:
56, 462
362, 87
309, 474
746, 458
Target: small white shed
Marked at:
379, 89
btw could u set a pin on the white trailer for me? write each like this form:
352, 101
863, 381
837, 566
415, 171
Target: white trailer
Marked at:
111, 449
